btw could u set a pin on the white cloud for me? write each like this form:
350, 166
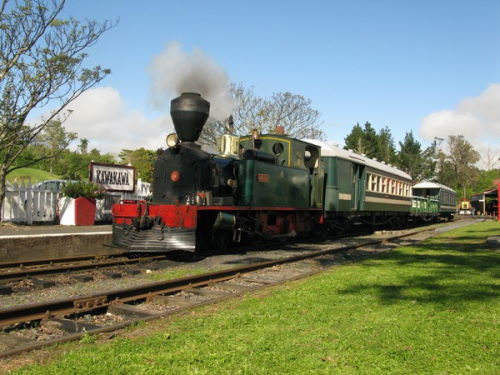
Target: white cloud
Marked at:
102, 116
476, 118
443, 123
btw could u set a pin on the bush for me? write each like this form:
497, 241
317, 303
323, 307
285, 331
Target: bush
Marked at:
83, 189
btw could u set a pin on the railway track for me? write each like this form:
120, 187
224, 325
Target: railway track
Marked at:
71, 318
21, 270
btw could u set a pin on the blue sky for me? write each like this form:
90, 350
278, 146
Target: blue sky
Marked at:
392, 63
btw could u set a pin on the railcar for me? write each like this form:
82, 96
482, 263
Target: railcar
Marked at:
261, 186
445, 197
363, 190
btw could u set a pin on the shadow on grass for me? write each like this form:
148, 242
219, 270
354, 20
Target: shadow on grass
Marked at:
435, 274
489, 230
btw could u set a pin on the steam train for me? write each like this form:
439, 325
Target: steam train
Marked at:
267, 186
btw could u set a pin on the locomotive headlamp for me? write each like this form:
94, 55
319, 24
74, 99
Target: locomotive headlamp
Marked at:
175, 176
172, 140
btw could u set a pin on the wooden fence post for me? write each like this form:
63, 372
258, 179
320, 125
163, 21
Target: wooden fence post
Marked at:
29, 204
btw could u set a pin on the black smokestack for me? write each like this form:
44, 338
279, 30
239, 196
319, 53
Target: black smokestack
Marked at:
189, 113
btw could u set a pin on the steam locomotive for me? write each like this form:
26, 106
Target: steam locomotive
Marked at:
267, 186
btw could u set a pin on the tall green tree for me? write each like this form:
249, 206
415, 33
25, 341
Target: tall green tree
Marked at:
410, 156
365, 140
386, 150
370, 141
42, 64
354, 140
429, 162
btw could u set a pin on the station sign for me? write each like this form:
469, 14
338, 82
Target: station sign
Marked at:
113, 177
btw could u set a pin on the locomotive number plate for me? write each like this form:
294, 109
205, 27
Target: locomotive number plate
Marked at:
262, 177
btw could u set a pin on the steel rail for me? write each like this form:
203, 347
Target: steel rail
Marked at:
41, 262
94, 262
81, 304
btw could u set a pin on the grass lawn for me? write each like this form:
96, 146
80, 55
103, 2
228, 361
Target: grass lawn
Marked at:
36, 175
427, 309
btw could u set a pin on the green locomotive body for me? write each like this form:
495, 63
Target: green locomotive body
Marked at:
284, 172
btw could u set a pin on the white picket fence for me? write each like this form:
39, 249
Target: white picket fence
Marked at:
25, 203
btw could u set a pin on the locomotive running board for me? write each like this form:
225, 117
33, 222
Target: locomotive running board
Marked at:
157, 239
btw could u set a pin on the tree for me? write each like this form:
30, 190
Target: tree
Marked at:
410, 156
143, 161
429, 162
84, 145
461, 161
486, 180
55, 139
366, 141
491, 158
354, 140
385, 151
75, 165
42, 66
292, 112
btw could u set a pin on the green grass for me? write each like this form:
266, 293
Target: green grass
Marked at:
36, 175
426, 309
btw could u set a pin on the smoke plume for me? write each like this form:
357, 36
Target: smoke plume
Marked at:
174, 72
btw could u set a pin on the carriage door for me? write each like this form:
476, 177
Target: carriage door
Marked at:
358, 185
354, 189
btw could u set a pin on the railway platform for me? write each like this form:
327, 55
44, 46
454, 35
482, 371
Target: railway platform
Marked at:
20, 243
